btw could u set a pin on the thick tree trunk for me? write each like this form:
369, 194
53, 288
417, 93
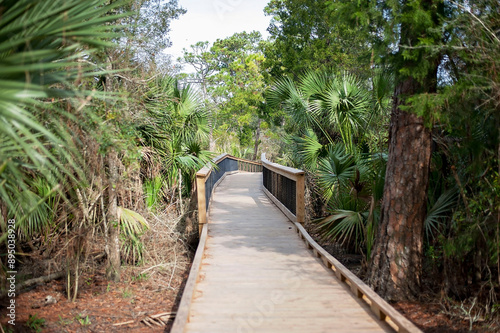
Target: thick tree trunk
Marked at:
113, 269
397, 256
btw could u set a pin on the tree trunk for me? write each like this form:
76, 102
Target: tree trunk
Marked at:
397, 255
211, 141
113, 269
257, 140
181, 207
3, 214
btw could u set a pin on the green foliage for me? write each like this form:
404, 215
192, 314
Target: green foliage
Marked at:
352, 187
336, 171
84, 321
153, 192
7, 329
439, 212
309, 150
177, 129
35, 323
331, 118
238, 84
148, 27
233, 83
133, 225
400, 32
140, 277
36, 213
304, 37
64, 322
332, 106
347, 224
37, 67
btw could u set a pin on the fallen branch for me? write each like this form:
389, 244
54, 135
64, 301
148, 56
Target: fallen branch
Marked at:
147, 324
35, 281
164, 314
159, 265
124, 323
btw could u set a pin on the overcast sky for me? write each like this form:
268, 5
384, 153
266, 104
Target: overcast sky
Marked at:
208, 20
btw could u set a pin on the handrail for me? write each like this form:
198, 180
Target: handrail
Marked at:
208, 178
379, 306
182, 316
288, 172
382, 310
285, 186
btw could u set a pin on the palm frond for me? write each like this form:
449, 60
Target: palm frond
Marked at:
132, 222
309, 149
439, 211
43, 48
133, 226
313, 84
335, 171
344, 226
347, 105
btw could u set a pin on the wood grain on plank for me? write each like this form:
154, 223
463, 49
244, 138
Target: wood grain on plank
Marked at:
257, 275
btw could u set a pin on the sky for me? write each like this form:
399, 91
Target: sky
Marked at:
209, 20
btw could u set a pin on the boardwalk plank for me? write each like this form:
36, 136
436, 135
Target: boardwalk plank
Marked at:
258, 276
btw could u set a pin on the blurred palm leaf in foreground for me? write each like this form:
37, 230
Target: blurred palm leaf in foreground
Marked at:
44, 46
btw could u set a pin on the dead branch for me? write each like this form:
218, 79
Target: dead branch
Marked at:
35, 281
124, 323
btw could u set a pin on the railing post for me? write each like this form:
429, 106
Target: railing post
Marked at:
202, 204
300, 204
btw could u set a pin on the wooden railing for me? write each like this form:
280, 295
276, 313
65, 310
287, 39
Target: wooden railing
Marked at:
209, 177
382, 310
285, 187
182, 316
274, 182
249, 166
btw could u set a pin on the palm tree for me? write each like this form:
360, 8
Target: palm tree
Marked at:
177, 130
334, 107
332, 116
351, 185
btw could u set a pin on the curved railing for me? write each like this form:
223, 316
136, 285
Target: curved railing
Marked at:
285, 187
209, 177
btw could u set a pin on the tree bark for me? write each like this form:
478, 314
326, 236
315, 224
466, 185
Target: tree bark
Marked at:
257, 141
211, 141
396, 266
113, 270
181, 206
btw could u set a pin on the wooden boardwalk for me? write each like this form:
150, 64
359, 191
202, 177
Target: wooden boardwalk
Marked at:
257, 275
